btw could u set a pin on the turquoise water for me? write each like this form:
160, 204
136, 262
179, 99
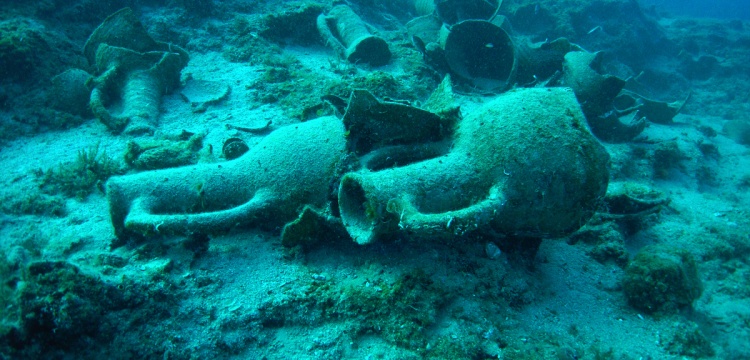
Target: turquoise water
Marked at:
739, 9
374, 180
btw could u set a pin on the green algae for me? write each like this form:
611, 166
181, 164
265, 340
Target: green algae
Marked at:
32, 203
54, 307
78, 179
688, 340
400, 312
662, 279
164, 152
667, 157
22, 46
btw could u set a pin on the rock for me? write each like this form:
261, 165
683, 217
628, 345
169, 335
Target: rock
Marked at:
662, 279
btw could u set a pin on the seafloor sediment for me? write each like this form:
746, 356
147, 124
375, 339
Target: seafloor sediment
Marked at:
661, 271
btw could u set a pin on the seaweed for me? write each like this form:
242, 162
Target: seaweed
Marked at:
744, 182
77, 179
244, 44
688, 340
400, 312
56, 309
164, 152
661, 280
33, 203
22, 47
667, 156
706, 177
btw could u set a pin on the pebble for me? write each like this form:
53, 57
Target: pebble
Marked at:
493, 252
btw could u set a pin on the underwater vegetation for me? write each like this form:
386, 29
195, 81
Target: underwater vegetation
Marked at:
22, 49
78, 179
58, 307
33, 203
401, 311
164, 152
662, 279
